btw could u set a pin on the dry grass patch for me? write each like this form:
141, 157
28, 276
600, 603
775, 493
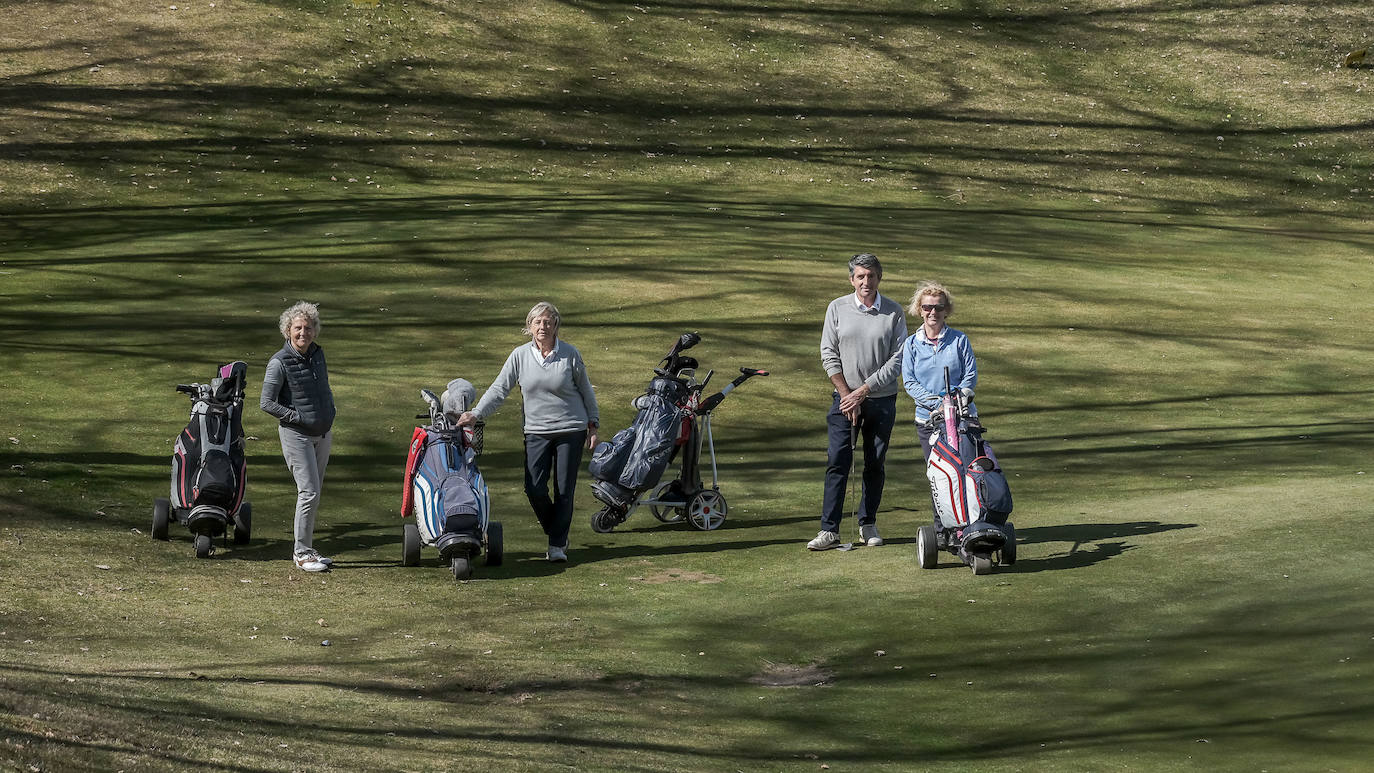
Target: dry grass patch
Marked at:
790, 675
678, 575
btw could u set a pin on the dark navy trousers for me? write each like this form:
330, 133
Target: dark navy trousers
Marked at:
876, 415
557, 457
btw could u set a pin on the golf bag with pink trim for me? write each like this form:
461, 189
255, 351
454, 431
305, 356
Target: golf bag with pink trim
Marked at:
209, 472
968, 490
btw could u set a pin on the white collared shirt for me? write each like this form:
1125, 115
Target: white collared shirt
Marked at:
877, 301
539, 356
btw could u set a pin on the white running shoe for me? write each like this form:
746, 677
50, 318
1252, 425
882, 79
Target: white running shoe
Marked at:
315, 554
868, 534
824, 541
310, 562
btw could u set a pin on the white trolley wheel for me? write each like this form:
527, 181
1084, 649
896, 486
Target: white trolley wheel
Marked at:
707, 509
980, 564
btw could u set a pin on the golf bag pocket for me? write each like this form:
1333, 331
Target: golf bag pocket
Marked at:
216, 482
460, 506
990, 485
608, 460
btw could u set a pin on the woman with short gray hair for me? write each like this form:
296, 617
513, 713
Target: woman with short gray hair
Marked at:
561, 419
295, 391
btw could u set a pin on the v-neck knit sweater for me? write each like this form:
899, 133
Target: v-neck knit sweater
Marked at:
556, 392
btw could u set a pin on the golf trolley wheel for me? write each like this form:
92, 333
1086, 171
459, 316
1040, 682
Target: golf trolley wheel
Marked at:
1009, 549
664, 513
162, 515
980, 564
604, 520
410, 544
204, 545
927, 547
495, 549
243, 524
707, 509
461, 566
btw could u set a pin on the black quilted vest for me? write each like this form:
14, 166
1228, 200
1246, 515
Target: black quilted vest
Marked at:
306, 390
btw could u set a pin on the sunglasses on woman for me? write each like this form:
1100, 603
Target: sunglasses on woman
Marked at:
932, 307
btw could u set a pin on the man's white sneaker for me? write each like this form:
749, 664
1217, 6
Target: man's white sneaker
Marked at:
310, 563
557, 555
868, 534
824, 541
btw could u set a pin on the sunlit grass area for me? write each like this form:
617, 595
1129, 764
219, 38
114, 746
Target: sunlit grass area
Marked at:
1156, 222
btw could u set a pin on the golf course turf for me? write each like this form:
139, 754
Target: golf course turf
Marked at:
1155, 219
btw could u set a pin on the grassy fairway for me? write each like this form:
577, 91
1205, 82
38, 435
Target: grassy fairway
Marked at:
1156, 221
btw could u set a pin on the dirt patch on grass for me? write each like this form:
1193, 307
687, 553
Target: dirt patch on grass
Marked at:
679, 575
791, 675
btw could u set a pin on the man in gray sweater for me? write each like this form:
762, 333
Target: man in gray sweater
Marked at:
861, 350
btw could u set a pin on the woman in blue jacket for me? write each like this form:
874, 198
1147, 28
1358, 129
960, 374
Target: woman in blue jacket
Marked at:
927, 352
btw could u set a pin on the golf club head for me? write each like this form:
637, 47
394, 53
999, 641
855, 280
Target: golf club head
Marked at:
430, 398
686, 341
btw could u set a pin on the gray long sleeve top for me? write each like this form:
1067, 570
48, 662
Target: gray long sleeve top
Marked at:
864, 345
557, 394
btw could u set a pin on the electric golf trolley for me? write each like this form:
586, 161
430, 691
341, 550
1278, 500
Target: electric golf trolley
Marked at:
673, 422
209, 473
444, 489
968, 491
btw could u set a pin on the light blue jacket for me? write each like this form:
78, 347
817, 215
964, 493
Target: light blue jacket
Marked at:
924, 363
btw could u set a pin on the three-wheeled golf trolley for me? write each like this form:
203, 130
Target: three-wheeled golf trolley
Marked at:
673, 421
968, 490
444, 489
209, 474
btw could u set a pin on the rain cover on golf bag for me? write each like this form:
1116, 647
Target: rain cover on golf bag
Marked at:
634, 460
966, 484
208, 466
440, 484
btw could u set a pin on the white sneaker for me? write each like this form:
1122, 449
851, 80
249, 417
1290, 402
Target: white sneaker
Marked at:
824, 541
315, 554
310, 563
868, 534
557, 555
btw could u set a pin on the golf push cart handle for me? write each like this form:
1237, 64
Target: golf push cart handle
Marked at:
710, 403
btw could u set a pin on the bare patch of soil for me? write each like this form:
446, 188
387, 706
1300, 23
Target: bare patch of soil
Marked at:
679, 575
791, 675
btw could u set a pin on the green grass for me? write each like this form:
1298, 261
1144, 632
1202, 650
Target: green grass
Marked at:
1171, 331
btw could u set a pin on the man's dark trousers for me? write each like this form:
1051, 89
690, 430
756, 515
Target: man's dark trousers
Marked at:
876, 415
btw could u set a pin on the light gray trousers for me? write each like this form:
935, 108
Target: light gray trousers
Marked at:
306, 457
